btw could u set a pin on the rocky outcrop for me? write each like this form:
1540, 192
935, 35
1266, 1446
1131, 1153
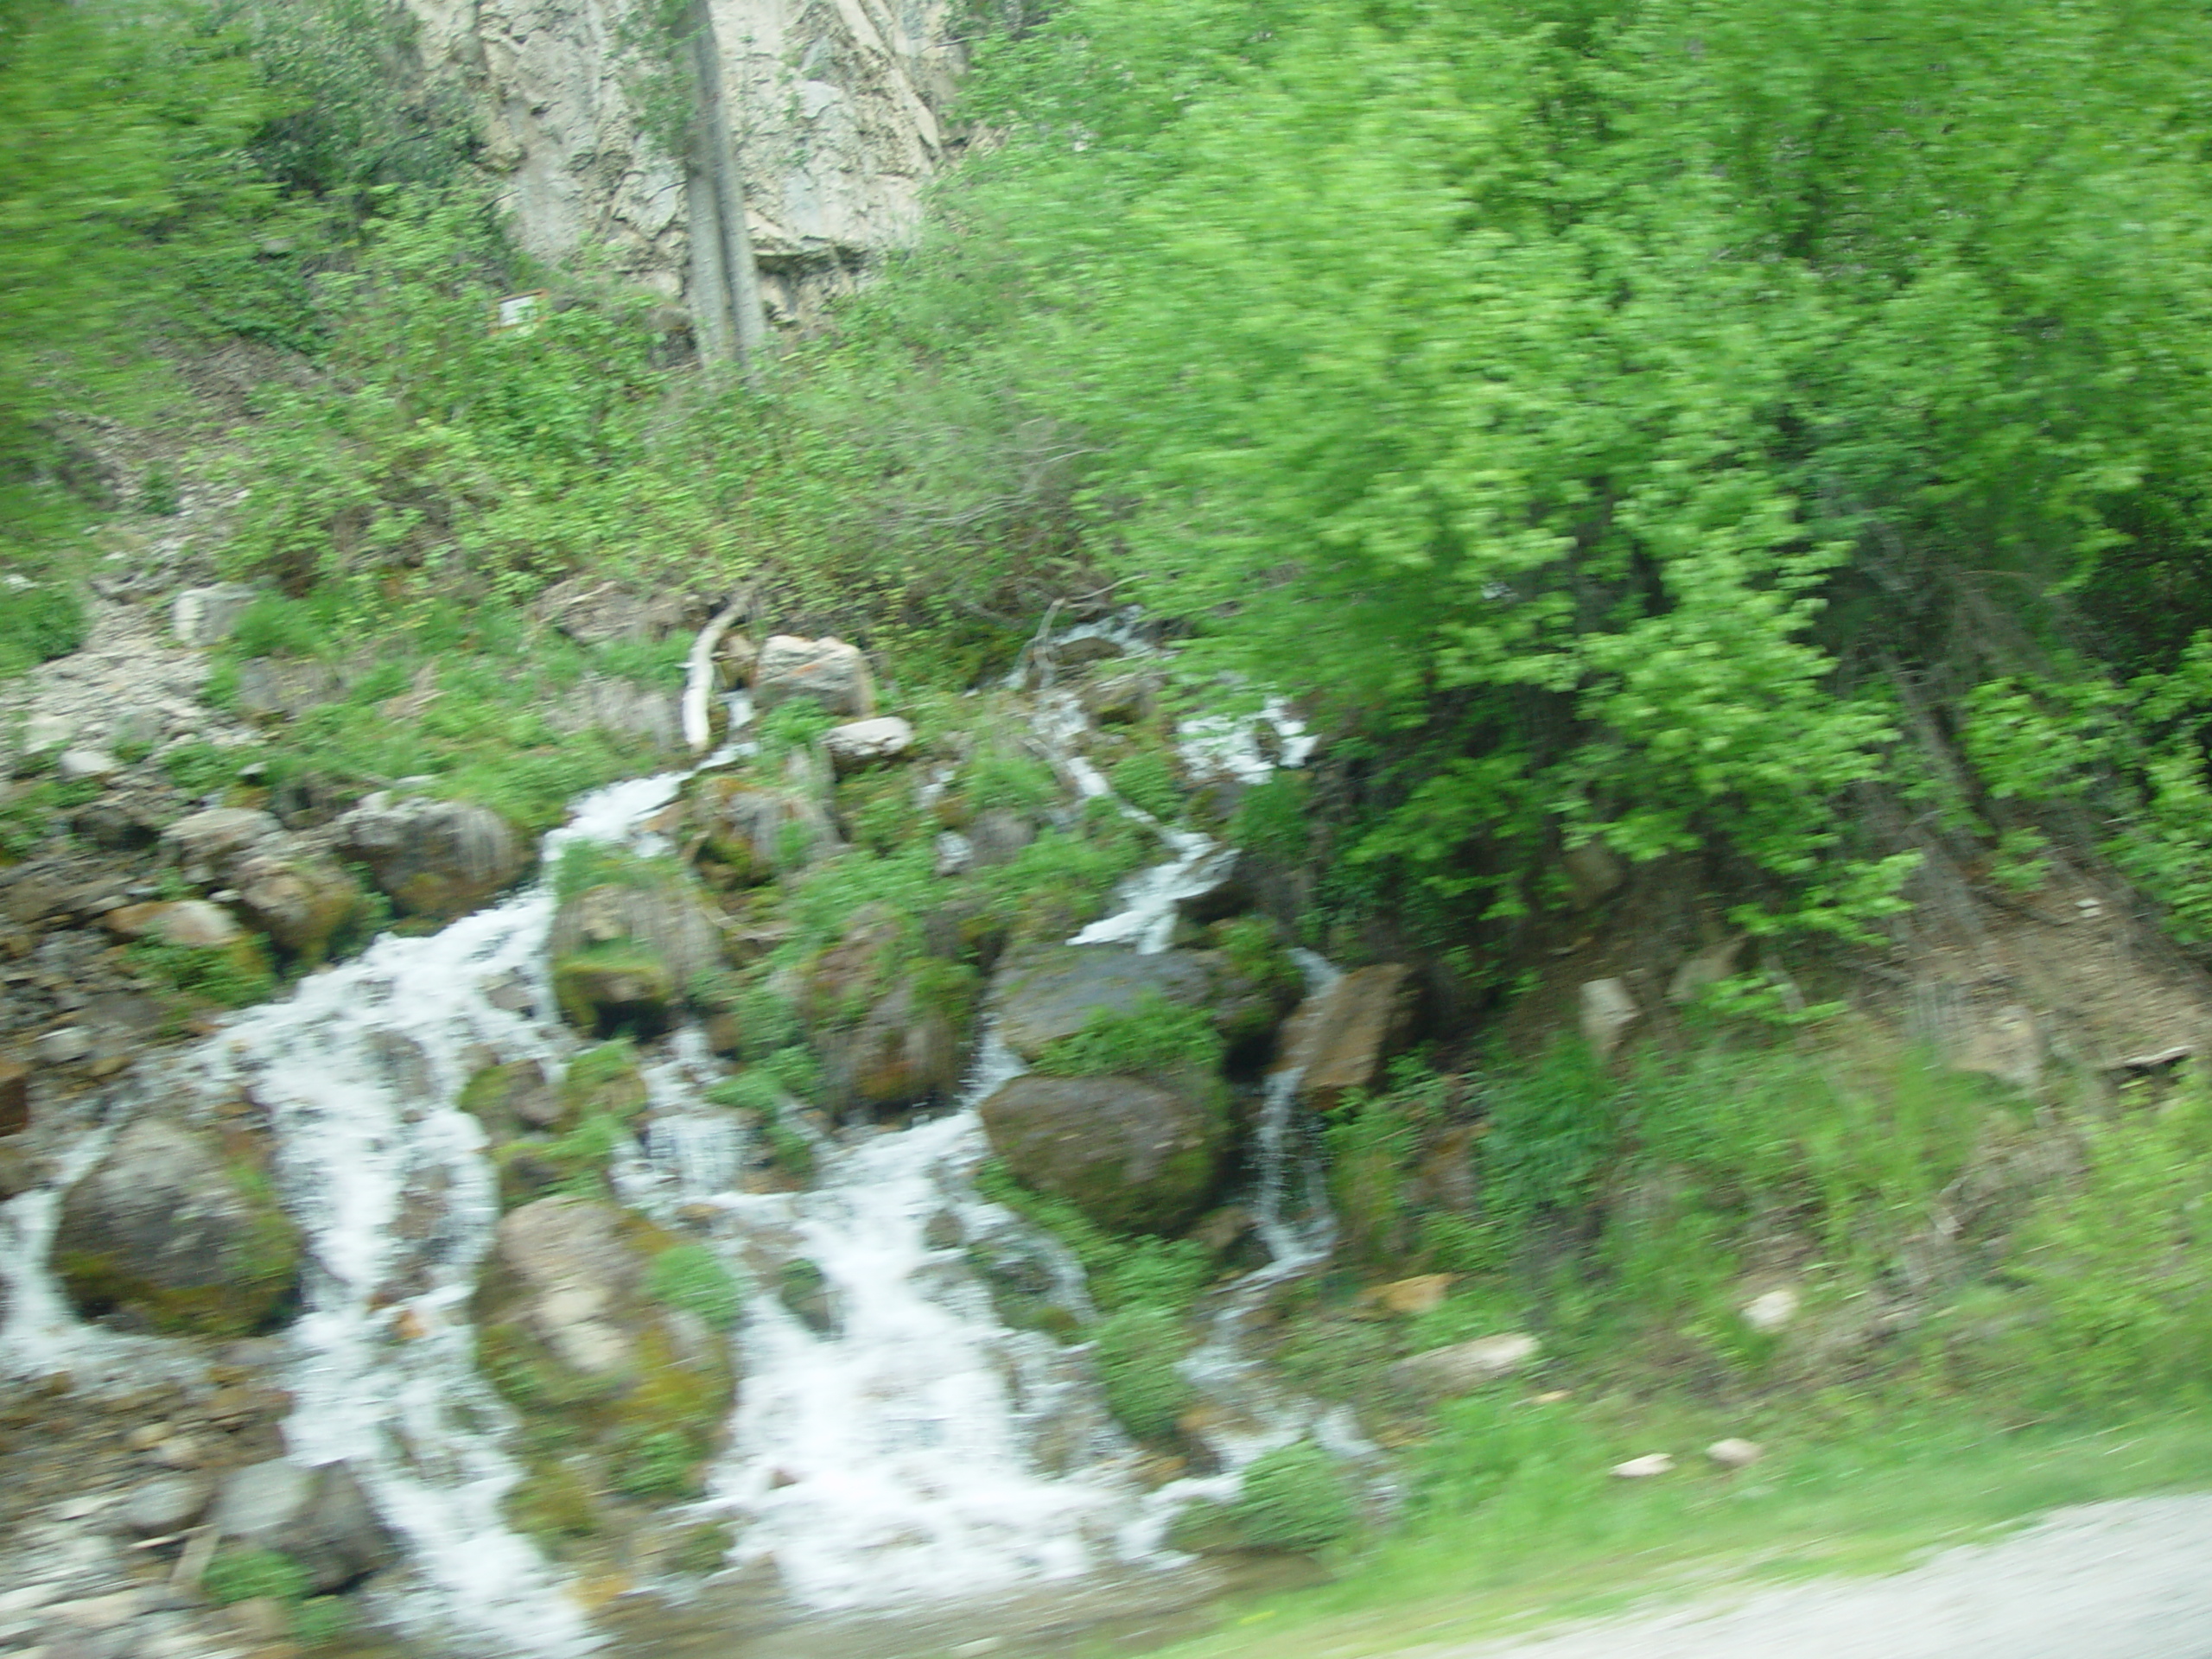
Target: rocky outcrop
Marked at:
1134, 1154
168, 1229
205, 846
1440, 1373
832, 115
437, 859
1340, 1038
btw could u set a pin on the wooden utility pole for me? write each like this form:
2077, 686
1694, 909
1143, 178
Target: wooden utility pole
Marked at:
715, 196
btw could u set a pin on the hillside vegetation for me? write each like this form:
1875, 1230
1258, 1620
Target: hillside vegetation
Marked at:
1767, 448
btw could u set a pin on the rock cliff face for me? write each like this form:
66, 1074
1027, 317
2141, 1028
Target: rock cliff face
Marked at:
833, 111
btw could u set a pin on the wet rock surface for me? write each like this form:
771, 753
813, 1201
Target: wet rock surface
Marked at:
171, 1229
435, 859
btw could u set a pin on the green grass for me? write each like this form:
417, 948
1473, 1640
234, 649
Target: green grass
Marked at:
1542, 1533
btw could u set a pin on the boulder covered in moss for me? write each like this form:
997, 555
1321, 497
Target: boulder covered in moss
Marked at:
1045, 993
625, 953
611, 1337
301, 903
1133, 1153
176, 1229
435, 859
750, 833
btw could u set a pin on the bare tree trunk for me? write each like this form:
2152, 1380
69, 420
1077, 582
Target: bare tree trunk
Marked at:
710, 306
740, 277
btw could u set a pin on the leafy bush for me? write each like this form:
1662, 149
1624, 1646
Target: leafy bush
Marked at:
38, 624
1295, 1498
234, 976
692, 1277
1156, 1035
2119, 1265
1136, 1351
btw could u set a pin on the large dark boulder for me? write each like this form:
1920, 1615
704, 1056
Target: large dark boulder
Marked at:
168, 1227
1134, 1154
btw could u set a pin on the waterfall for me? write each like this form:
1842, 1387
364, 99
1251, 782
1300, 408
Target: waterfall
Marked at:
359, 1071
913, 1448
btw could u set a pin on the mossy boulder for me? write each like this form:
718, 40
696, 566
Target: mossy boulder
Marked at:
301, 903
1133, 1153
624, 952
177, 1229
513, 1099
598, 1326
435, 859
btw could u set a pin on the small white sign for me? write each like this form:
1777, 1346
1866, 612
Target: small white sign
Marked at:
517, 314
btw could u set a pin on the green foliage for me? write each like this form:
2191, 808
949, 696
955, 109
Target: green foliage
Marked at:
584, 865
1154, 1036
248, 1574
692, 1277
1136, 1351
276, 627
798, 724
656, 1465
1293, 1499
38, 624
2118, 1265
233, 976
1163, 1274
1007, 778
321, 1618
1148, 779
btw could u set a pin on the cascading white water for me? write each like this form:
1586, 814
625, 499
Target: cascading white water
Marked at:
359, 1071
918, 1449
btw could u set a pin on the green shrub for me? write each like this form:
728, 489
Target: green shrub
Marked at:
321, 1618
1137, 1350
276, 627
37, 625
1295, 1498
233, 976
2118, 1266
248, 1574
1154, 1036
584, 865
1144, 1272
1148, 779
692, 1277
656, 1465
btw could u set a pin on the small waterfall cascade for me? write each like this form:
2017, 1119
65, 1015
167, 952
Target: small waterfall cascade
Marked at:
906, 1446
357, 1072
896, 1442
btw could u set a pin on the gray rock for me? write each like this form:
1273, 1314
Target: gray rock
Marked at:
321, 1517
205, 845
167, 1227
439, 859
298, 900
167, 1504
1049, 992
859, 744
205, 616
1607, 1013
593, 612
1443, 1372
63, 1047
87, 765
269, 689
44, 732
1134, 1154
836, 675
996, 836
